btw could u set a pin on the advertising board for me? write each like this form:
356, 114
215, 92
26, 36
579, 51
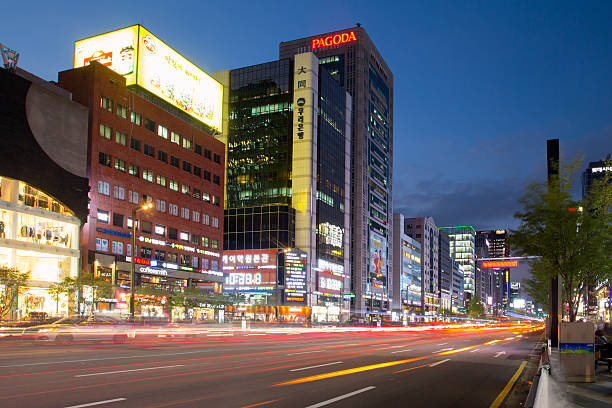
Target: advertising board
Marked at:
295, 276
329, 283
378, 255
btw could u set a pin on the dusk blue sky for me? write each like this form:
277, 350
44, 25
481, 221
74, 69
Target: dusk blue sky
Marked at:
479, 85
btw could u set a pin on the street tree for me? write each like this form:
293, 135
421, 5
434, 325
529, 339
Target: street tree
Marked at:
571, 238
476, 309
11, 281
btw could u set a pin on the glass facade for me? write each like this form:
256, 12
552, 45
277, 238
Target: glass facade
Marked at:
259, 227
410, 285
463, 251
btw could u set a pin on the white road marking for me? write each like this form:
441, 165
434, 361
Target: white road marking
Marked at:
396, 347
316, 366
446, 349
401, 351
439, 362
128, 371
352, 344
442, 344
91, 404
341, 397
306, 352
475, 350
499, 353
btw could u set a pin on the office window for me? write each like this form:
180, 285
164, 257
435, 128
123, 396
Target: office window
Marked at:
106, 103
195, 239
184, 236
160, 205
121, 111
149, 124
197, 148
185, 189
104, 159
160, 230
134, 170
147, 175
120, 164
206, 197
106, 131
186, 166
197, 171
147, 226
206, 175
102, 216
161, 180
147, 198
194, 261
162, 156
117, 247
195, 216
175, 138
174, 185
173, 209
205, 219
133, 197
185, 213
149, 150
197, 194
215, 222
135, 118
135, 143
104, 188
174, 161
101, 244
184, 260
160, 255
205, 242
216, 179
214, 265
118, 220
162, 131
217, 158
172, 233
120, 138
214, 244
119, 192
172, 257
128, 249
207, 154
215, 200
186, 143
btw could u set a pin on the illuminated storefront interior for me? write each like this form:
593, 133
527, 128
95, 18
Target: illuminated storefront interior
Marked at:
40, 236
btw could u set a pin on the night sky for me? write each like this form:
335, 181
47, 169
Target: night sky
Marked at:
479, 87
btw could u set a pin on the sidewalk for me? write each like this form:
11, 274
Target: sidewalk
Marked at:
574, 395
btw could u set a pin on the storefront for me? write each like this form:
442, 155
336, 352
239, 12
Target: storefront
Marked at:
282, 314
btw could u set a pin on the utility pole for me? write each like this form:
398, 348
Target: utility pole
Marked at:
554, 307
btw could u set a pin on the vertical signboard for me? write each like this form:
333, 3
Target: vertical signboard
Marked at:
378, 255
296, 263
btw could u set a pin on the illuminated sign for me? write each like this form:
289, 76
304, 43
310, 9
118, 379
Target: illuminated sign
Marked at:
515, 285
254, 259
246, 278
600, 169
295, 276
334, 39
328, 283
499, 264
332, 234
334, 268
145, 60
153, 271
378, 255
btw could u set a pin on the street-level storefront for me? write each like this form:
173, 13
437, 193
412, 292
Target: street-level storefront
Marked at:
282, 314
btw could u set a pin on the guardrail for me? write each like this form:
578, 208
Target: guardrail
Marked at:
539, 395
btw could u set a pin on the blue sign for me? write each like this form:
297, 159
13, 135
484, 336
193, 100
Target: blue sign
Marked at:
577, 348
113, 232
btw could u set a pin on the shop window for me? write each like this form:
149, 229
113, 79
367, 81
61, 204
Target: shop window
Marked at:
184, 260
174, 161
204, 263
162, 131
120, 138
147, 175
160, 230
215, 222
149, 150
174, 185
162, 156
119, 192
197, 171
207, 154
118, 220
104, 159
161, 180
160, 205
184, 236
104, 188
175, 138
216, 179
173, 209
186, 166
135, 143
120, 164
205, 242
133, 197
206, 175
149, 124
121, 111
172, 233
106, 131
185, 213
186, 143
102, 216
197, 148
136, 118
134, 170
106, 103
147, 227
214, 244
117, 247
217, 158
194, 261
102, 244
195, 216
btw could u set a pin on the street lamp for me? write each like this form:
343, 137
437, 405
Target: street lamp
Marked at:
144, 207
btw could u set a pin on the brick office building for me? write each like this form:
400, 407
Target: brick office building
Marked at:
141, 150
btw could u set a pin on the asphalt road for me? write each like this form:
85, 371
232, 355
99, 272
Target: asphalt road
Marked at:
269, 368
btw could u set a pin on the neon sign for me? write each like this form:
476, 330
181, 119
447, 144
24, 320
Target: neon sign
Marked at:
500, 264
335, 39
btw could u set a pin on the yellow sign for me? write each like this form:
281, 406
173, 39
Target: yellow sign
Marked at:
147, 61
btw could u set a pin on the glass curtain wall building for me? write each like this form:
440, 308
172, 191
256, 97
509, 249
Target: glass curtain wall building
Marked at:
463, 251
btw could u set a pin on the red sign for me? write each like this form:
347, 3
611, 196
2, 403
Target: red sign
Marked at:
499, 264
142, 261
334, 39
329, 283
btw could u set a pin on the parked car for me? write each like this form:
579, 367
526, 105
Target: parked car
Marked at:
81, 328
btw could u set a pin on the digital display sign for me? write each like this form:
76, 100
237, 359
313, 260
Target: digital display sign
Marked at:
329, 283
499, 264
146, 61
378, 255
295, 276
333, 39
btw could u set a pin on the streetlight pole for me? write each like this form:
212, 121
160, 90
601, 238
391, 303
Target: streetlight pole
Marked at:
132, 269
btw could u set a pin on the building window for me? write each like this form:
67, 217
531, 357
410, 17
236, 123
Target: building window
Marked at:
162, 156
214, 244
147, 198
194, 261
216, 179
217, 158
215, 200
117, 247
119, 192
106, 103
172, 257
186, 143
206, 197
146, 253
184, 260
172, 233
102, 216
195, 216
106, 131
197, 171
174, 161
204, 263
160, 230
134, 170
215, 222
161, 180
160, 205
160, 255
205, 242
197, 194
186, 166
147, 175
174, 185
214, 265
102, 244
207, 154
133, 197
135, 118
197, 148
185, 189
162, 131
117, 220
120, 138
104, 159
149, 124
185, 213
104, 188
120, 164
173, 209
206, 219
184, 236
175, 138
149, 150
206, 175
135, 143
121, 111
128, 250
195, 239
147, 227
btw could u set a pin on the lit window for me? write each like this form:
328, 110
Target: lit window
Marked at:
184, 236
106, 131
175, 138
174, 185
102, 216
160, 230
147, 175
135, 118
162, 131
106, 103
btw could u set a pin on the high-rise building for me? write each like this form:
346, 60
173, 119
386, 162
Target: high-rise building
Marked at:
406, 269
596, 171
145, 146
497, 245
424, 231
457, 295
352, 59
462, 250
288, 178
445, 269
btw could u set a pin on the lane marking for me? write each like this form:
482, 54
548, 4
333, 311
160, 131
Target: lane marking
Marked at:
258, 404
401, 351
91, 404
442, 344
502, 395
306, 352
341, 397
396, 347
128, 371
440, 351
316, 366
439, 362
411, 368
473, 351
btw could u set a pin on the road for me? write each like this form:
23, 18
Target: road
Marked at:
270, 368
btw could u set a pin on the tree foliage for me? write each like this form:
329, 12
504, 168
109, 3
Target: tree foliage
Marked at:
11, 281
476, 309
572, 238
